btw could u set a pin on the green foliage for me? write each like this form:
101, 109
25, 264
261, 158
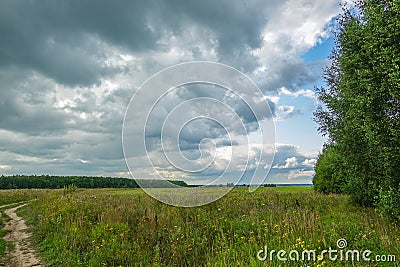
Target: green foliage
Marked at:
153, 183
361, 113
388, 202
329, 176
57, 182
269, 185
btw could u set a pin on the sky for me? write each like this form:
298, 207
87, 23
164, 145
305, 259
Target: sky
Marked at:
68, 70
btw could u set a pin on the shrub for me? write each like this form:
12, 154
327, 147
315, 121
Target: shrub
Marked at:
388, 203
329, 172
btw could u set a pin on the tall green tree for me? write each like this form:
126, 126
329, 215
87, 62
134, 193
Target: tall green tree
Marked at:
361, 103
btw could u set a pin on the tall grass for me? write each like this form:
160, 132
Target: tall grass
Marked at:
17, 195
102, 228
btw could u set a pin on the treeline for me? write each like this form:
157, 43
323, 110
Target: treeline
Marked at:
54, 182
361, 109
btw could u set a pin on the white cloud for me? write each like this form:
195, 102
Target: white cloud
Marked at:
287, 110
291, 162
296, 174
309, 162
5, 167
284, 111
273, 99
295, 27
302, 92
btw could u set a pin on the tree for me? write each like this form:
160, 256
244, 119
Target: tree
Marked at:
361, 104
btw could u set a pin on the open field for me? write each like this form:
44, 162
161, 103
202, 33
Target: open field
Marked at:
287, 189
108, 227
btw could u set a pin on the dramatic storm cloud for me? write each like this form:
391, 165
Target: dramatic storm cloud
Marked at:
69, 68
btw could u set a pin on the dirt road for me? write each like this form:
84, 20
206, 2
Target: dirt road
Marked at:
23, 255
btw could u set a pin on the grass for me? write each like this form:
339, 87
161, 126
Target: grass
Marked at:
4, 245
129, 228
291, 189
16, 195
288, 189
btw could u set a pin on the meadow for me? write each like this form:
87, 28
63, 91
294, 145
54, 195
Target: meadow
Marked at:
110, 227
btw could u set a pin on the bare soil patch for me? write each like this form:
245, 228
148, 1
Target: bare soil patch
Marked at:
23, 254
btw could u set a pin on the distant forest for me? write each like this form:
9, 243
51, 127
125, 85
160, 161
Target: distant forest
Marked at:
54, 182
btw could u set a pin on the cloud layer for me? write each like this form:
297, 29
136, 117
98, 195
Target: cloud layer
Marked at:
69, 69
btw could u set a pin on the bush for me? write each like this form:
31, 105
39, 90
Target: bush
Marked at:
329, 172
388, 203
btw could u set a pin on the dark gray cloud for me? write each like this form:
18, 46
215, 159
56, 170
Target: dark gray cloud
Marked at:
28, 118
46, 147
237, 26
23, 104
67, 40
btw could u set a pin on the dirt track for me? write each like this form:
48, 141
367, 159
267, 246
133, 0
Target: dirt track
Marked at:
23, 255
